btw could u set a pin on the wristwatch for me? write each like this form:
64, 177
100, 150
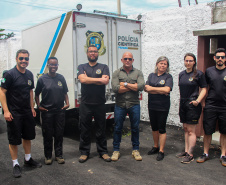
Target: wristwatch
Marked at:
125, 84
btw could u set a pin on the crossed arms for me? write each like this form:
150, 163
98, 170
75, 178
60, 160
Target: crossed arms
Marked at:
104, 80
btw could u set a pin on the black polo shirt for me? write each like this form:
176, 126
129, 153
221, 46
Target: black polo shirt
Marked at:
18, 86
159, 102
53, 91
92, 93
216, 79
189, 86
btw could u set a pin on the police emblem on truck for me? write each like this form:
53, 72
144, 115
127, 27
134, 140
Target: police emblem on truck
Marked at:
96, 39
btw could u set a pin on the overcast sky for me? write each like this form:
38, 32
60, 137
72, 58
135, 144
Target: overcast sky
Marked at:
17, 15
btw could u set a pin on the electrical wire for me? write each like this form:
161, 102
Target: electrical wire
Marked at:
36, 5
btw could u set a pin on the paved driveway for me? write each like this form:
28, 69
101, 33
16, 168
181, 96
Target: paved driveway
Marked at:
125, 171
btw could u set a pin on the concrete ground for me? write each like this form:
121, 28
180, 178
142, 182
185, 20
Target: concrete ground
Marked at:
124, 171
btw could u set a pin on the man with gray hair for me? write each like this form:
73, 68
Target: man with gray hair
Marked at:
126, 84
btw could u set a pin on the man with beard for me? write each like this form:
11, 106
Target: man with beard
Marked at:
215, 108
93, 77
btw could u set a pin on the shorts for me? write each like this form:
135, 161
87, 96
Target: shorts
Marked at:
158, 120
210, 118
189, 113
21, 127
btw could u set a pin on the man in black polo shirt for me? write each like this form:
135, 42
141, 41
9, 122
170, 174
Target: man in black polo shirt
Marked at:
16, 96
215, 108
93, 77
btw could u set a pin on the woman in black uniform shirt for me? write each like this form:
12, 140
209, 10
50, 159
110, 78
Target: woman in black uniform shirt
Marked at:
158, 87
190, 80
53, 88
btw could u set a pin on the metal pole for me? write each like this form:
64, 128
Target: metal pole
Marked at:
119, 6
189, 2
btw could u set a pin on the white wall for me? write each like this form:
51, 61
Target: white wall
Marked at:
8, 49
166, 32
169, 32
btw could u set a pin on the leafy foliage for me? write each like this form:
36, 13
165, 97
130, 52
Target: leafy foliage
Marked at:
4, 36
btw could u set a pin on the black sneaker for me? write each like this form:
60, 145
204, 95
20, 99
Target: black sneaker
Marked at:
16, 171
223, 160
160, 156
32, 163
154, 150
202, 158
182, 154
187, 159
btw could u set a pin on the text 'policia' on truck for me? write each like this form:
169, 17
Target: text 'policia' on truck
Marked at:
67, 38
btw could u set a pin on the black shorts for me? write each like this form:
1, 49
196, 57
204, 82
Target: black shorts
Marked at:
158, 120
22, 126
210, 118
189, 113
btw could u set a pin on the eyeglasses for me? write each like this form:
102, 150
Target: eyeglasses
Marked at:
92, 51
53, 65
218, 57
189, 60
130, 59
24, 58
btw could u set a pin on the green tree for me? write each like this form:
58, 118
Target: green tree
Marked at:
4, 36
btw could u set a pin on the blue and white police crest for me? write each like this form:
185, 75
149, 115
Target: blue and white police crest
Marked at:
95, 39
190, 79
29, 82
98, 71
59, 83
224, 78
162, 82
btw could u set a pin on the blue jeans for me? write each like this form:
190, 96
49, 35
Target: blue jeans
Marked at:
134, 116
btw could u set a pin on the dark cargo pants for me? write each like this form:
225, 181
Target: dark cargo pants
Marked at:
53, 123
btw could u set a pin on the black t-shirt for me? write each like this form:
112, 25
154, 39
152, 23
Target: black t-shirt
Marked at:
160, 102
18, 86
216, 79
91, 93
189, 86
53, 91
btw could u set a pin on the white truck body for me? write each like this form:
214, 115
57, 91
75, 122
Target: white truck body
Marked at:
67, 38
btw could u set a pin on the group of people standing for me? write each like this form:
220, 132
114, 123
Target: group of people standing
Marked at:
16, 95
197, 91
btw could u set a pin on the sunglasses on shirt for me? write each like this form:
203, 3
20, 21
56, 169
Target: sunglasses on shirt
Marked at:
24, 58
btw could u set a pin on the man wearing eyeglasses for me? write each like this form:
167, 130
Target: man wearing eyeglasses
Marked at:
126, 84
215, 105
93, 77
53, 88
16, 96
